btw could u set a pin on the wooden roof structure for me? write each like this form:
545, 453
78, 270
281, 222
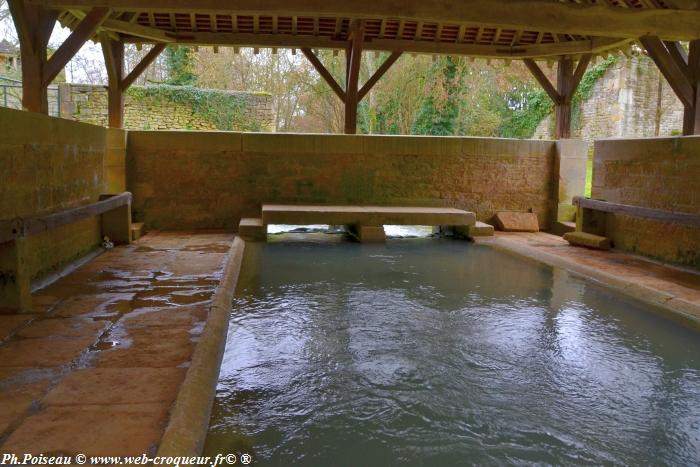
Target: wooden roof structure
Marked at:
570, 31
484, 28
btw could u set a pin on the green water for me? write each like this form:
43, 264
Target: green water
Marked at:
438, 352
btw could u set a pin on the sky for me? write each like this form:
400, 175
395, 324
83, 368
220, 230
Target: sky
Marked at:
88, 58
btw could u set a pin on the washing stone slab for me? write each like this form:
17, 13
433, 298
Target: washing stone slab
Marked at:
364, 215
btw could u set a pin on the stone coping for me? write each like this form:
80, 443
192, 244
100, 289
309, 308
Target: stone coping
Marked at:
189, 419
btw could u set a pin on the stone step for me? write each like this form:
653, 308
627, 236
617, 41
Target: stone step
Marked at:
137, 230
364, 215
517, 221
561, 227
588, 240
252, 229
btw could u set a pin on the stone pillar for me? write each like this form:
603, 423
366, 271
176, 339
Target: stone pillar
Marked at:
570, 166
114, 174
65, 101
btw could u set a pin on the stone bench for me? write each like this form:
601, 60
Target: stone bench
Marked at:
365, 222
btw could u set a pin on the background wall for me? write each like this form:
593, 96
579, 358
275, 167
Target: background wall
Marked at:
632, 100
211, 179
170, 108
46, 165
661, 173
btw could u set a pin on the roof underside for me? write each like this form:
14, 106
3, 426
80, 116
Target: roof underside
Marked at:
201, 23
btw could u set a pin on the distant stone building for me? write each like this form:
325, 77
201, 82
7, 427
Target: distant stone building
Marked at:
9, 57
631, 100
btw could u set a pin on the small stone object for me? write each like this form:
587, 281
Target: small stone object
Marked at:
588, 240
517, 221
107, 243
252, 229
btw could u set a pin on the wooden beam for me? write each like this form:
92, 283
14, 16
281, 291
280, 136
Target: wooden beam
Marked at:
675, 75
353, 73
543, 80
34, 25
680, 218
113, 52
150, 57
23, 24
596, 45
84, 31
581, 68
139, 31
679, 55
591, 19
565, 88
367, 87
691, 115
323, 71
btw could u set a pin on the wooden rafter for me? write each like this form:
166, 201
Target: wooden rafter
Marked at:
543, 80
323, 71
675, 75
141, 66
84, 31
138, 31
592, 19
367, 87
581, 68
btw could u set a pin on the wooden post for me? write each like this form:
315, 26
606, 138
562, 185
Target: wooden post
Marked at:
691, 116
34, 25
353, 76
113, 52
565, 73
568, 80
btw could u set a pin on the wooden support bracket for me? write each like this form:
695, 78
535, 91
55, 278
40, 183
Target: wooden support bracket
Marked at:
323, 71
367, 87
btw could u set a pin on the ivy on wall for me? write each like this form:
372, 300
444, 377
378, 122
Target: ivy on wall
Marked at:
225, 110
524, 122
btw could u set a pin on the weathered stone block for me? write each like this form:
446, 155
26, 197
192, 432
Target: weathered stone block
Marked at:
515, 221
252, 229
587, 240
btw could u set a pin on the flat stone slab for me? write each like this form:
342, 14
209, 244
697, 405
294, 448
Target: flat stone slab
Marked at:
515, 221
364, 215
107, 386
97, 371
588, 240
115, 430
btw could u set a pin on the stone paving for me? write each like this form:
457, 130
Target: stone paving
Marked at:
96, 367
675, 289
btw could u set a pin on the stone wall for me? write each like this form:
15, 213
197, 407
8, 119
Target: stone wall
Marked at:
47, 165
88, 103
659, 173
212, 179
632, 100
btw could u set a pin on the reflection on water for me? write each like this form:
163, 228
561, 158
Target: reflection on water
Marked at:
438, 352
